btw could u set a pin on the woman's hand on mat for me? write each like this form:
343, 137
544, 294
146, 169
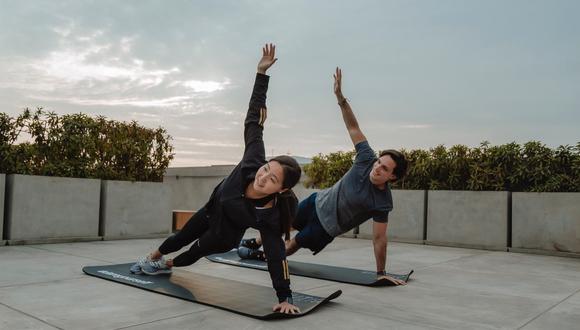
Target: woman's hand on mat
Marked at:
268, 58
396, 281
338, 84
287, 308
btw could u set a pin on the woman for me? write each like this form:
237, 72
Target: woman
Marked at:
256, 194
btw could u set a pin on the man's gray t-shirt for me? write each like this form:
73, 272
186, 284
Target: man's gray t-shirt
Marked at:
354, 199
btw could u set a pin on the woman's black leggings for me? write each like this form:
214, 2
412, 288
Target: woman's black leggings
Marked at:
206, 240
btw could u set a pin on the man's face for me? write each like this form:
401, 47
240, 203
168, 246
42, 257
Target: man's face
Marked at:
382, 171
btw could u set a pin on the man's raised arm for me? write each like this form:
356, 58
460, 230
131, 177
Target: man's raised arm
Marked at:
356, 135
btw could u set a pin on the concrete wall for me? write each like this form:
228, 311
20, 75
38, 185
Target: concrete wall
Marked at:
191, 186
406, 221
42, 208
546, 221
301, 191
2, 191
477, 219
454, 218
135, 209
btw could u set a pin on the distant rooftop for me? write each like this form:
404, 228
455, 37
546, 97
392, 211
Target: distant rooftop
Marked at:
301, 160
218, 170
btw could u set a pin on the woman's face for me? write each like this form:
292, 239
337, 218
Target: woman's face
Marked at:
269, 178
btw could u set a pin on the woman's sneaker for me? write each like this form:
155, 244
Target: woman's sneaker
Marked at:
156, 267
136, 268
255, 254
250, 243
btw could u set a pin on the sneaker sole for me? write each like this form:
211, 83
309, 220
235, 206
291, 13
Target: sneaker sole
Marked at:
159, 272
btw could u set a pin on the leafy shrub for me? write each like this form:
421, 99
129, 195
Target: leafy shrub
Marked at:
509, 167
81, 146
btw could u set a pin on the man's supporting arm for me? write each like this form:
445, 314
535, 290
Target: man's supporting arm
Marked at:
380, 248
380, 244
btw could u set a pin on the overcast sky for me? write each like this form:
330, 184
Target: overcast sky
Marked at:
417, 73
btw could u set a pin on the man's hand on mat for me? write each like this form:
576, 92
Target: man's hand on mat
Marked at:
285, 307
392, 279
268, 58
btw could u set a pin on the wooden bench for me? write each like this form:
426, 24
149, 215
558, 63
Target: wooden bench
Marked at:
180, 218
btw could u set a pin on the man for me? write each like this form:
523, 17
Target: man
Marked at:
362, 193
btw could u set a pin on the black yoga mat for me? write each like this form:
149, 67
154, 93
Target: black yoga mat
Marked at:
238, 297
324, 272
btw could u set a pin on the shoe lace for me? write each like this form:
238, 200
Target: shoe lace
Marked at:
158, 263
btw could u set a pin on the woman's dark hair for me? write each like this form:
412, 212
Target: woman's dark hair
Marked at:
402, 164
287, 202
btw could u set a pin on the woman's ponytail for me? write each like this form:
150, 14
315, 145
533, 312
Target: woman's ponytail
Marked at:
287, 202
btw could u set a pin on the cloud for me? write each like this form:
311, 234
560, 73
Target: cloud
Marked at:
145, 115
199, 108
277, 125
206, 143
416, 126
73, 66
185, 152
135, 102
95, 69
63, 31
200, 86
219, 144
196, 161
127, 44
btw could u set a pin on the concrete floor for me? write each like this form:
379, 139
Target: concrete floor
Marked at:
43, 287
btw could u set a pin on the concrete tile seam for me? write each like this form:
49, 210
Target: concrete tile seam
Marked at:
549, 309
557, 276
396, 319
69, 254
321, 286
475, 291
165, 319
454, 259
475, 271
81, 276
30, 315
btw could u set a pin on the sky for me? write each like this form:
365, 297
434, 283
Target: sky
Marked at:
417, 73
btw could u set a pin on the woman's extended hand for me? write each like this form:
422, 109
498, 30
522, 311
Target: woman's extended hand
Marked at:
286, 308
268, 58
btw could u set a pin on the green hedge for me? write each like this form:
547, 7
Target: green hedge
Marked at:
76, 145
509, 167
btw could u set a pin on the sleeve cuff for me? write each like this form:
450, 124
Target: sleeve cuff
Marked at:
288, 299
262, 77
362, 145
